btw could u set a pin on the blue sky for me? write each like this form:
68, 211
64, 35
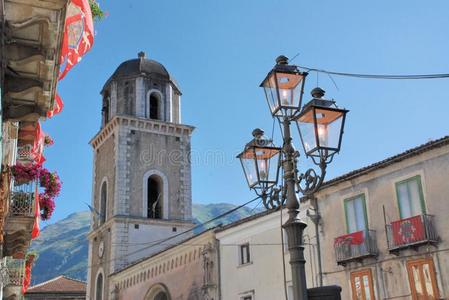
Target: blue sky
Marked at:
219, 51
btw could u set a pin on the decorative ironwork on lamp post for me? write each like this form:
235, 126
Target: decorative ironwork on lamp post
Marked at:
320, 123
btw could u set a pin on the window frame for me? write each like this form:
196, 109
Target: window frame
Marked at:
365, 212
248, 254
420, 190
360, 274
420, 262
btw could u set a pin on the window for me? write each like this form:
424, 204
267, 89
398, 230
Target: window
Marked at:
154, 107
410, 197
154, 197
355, 209
247, 297
103, 202
106, 109
422, 279
362, 285
244, 254
99, 290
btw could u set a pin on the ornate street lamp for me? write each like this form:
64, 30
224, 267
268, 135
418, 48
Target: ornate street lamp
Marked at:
284, 86
320, 126
320, 123
260, 162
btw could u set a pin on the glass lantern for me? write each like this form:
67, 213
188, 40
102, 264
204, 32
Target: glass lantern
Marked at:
284, 86
260, 162
320, 126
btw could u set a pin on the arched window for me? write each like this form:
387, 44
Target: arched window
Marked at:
103, 202
154, 197
106, 109
158, 292
154, 107
161, 296
99, 288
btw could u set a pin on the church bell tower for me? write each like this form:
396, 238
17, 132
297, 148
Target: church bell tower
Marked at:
141, 189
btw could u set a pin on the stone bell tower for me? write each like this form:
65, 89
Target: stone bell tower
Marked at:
141, 188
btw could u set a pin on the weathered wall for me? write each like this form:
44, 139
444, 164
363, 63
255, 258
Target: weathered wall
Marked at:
180, 269
389, 271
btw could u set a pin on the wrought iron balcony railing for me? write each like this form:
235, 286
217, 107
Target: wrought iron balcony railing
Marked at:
22, 199
24, 153
355, 246
410, 232
15, 269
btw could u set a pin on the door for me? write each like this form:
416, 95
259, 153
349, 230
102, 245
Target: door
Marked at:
422, 279
362, 285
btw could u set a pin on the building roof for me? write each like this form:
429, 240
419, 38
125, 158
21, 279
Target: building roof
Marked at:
60, 284
141, 66
389, 161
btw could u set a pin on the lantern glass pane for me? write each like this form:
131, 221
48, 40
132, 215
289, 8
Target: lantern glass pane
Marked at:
329, 123
290, 86
270, 89
306, 126
267, 162
249, 167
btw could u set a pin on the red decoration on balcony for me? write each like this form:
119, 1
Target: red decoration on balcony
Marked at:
78, 34
38, 146
408, 231
23, 174
37, 215
355, 238
27, 278
57, 107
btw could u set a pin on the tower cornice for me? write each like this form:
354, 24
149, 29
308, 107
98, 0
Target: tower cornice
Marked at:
141, 124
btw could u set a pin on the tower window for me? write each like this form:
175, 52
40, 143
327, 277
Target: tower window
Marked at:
154, 107
106, 109
103, 202
99, 290
154, 197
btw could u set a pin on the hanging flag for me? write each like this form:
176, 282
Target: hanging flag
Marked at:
408, 231
57, 107
37, 216
27, 276
355, 238
38, 145
78, 34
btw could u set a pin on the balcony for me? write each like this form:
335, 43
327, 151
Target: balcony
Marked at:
14, 271
411, 232
20, 219
355, 246
32, 50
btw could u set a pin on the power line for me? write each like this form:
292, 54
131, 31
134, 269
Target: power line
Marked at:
162, 241
379, 76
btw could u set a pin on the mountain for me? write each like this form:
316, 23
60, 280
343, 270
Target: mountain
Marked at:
63, 246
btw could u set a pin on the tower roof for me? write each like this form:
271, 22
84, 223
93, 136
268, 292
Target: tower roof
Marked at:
142, 66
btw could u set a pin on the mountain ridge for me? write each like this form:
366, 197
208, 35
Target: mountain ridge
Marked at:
63, 247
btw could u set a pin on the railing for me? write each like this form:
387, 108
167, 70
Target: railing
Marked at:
15, 270
24, 153
22, 199
411, 231
355, 246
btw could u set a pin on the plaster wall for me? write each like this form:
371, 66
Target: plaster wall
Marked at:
389, 270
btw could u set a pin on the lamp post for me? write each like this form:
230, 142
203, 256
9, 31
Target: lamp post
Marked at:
320, 123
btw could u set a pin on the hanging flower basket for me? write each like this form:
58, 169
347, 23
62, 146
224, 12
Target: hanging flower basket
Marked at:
47, 206
23, 174
48, 141
50, 182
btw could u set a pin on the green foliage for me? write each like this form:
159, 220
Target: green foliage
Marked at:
97, 13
